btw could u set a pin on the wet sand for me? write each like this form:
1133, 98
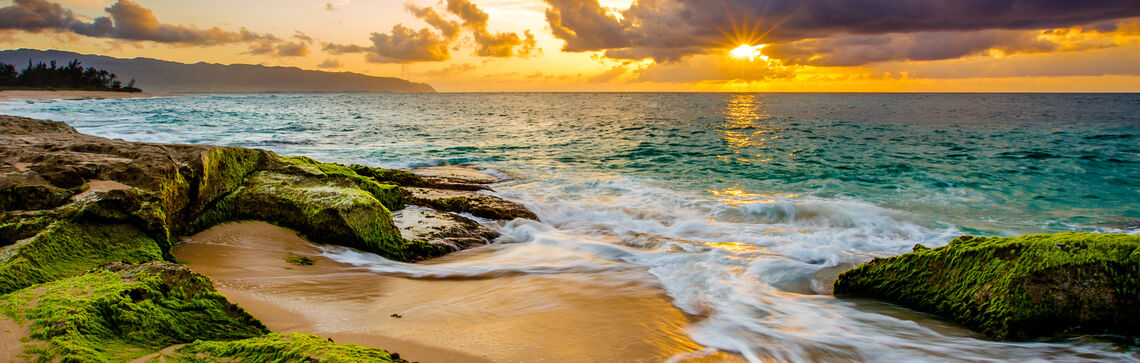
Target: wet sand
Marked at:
10, 335
12, 95
562, 317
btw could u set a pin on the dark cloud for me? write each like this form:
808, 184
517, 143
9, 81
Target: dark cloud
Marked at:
280, 49
585, 26
36, 15
669, 29
406, 45
856, 50
329, 64
127, 20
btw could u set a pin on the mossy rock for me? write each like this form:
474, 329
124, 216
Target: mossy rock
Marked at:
1015, 287
327, 210
293, 347
383, 189
69, 247
120, 311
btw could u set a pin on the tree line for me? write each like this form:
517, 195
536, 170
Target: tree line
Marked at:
72, 76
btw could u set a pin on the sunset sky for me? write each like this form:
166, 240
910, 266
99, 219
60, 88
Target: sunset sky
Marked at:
622, 45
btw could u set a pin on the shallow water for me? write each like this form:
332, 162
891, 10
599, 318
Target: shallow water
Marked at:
740, 207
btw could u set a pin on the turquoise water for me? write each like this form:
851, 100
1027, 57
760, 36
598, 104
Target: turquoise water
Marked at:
738, 204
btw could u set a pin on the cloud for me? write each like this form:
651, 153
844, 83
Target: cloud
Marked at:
449, 71
330, 64
127, 20
303, 37
449, 28
406, 45
280, 49
608, 76
667, 30
854, 50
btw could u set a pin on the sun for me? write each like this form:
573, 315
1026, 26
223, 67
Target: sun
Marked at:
748, 51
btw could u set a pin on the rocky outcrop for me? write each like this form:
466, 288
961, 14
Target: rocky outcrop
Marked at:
62, 192
71, 203
1015, 287
120, 311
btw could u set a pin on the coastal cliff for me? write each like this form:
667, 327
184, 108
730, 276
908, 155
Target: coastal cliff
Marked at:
88, 224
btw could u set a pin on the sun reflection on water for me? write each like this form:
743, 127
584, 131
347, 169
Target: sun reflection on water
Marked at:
745, 130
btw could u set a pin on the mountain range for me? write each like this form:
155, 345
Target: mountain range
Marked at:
159, 76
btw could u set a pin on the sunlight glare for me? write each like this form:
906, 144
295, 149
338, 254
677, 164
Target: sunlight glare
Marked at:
748, 51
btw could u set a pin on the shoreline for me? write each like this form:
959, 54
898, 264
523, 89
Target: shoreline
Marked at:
46, 95
504, 318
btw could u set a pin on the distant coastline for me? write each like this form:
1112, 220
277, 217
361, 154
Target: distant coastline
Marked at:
45, 95
159, 76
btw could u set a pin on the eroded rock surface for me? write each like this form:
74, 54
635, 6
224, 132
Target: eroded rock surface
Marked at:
1015, 287
442, 228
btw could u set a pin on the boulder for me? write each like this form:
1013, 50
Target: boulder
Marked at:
449, 231
1015, 287
326, 210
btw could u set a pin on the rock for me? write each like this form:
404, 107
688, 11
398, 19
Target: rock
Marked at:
327, 210
69, 247
441, 228
122, 311
464, 201
456, 177
1015, 287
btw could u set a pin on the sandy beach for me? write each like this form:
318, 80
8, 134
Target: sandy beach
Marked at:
14, 95
510, 318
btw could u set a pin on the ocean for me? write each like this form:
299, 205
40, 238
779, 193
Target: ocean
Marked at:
741, 207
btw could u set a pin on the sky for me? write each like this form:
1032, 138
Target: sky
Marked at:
623, 45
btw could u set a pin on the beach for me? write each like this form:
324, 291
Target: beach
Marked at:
45, 95
512, 318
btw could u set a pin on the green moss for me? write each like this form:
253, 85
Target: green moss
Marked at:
391, 195
1015, 287
14, 227
327, 210
298, 260
222, 171
67, 248
294, 347
119, 312
394, 176
33, 197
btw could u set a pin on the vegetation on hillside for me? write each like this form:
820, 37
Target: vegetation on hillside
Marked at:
72, 76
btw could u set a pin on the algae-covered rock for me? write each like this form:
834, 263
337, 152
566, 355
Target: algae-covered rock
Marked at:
391, 195
69, 247
1015, 287
293, 347
327, 210
463, 201
120, 311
